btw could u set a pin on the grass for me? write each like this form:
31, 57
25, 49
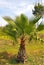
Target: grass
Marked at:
8, 52
34, 50
42, 32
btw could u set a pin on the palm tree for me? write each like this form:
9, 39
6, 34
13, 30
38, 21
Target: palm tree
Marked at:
21, 28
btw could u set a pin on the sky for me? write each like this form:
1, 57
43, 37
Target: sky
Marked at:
14, 8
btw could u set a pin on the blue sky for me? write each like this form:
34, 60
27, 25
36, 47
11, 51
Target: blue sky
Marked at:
13, 8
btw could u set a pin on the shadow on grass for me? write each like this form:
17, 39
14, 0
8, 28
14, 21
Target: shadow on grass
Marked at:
7, 58
35, 58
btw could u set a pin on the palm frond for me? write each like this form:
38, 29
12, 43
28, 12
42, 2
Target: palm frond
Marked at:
9, 30
9, 20
29, 28
40, 27
21, 23
34, 20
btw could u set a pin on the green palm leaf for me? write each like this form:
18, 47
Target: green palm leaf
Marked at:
40, 27
9, 20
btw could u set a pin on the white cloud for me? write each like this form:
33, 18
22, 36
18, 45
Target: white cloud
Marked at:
43, 1
16, 8
22, 9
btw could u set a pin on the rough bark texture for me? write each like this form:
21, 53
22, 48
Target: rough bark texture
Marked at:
22, 52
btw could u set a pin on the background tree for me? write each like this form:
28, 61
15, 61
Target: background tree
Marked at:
38, 10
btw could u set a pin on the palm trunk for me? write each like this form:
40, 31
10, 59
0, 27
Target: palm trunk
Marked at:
22, 52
